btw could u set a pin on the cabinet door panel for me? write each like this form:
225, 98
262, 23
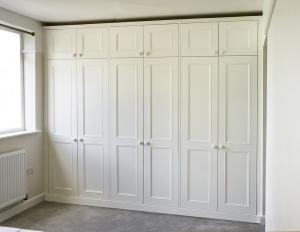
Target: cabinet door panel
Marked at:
61, 44
92, 42
127, 129
161, 131
238, 38
238, 134
199, 39
92, 84
161, 40
199, 129
126, 41
62, 127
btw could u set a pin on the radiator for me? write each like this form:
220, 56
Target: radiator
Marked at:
12, 178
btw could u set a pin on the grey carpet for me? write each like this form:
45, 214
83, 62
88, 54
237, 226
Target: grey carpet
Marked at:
53, 217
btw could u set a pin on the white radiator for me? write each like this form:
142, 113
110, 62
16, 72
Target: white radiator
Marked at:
12, 178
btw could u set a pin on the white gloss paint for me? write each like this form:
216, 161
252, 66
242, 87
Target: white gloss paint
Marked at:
283, 147
32, 143
78, 10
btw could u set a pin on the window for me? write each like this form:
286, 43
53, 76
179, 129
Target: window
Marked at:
11, 82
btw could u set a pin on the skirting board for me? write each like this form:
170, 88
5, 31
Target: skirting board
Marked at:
22, 207
154, 209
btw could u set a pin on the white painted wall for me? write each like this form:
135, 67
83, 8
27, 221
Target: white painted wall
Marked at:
283, 119
33, 144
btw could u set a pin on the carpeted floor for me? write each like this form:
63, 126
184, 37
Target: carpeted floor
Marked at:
53, 217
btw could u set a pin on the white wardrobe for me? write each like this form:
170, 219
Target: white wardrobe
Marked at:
157, 116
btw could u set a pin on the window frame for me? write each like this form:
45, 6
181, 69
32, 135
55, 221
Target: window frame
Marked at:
22, 83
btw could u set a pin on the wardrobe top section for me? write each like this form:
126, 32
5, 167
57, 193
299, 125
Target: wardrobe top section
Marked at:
155, 22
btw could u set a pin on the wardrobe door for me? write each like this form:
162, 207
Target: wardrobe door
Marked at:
161, 40
199, 39
238, 38
161, 131
127, 130
92, 42
92, 85
199, 132
126, 41
237, 134
62, 126
61, 44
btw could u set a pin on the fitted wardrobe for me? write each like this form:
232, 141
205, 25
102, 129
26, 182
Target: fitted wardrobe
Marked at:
156, 116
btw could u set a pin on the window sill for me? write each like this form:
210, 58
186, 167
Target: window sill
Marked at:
18, 134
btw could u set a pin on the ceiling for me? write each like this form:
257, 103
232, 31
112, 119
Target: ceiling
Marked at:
53, 11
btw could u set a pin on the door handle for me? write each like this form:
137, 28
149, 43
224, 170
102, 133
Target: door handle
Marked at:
148, 143
214, 146
141, 143
75, 140
81, 140
222, 147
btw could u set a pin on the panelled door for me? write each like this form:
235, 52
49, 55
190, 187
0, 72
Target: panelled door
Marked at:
127, 130
237, 134
199, 132
92, 42
161, 131
93, 150
62, 127
161, 40
61, 44
238, 38
126, 41
200, 39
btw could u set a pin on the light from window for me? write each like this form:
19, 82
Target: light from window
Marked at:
11, 83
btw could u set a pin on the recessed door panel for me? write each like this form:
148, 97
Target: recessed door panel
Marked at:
92, 42
61, 44
92, 85
126, 41
238, 134
93, 166
161, 131
199, 121
238, 38
127, 130
127, 169
161, 40
199, 39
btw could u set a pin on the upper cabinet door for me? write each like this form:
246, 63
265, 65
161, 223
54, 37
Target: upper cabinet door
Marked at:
92, 43
161, 40
92, 85
199, 132
161, 131
199, 39
126, 41
61, 44
237, 134
238, 38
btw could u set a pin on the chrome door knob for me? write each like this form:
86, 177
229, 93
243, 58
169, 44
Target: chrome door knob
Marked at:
75, 140
148, 53
141, 143
148, 143
222, 146
75, 54
141, 53
214, 146
81, 140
